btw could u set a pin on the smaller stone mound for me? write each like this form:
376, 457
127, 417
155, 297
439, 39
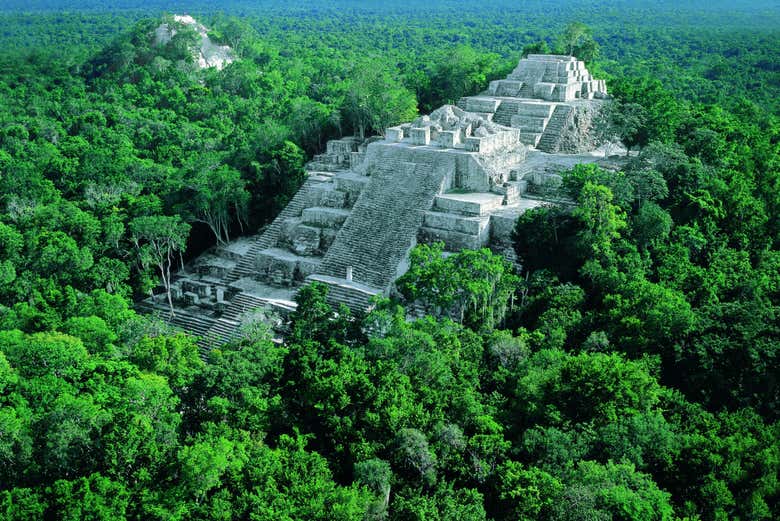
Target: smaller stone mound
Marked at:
208, 54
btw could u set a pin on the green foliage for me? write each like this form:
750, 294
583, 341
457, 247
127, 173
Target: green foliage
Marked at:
458, 72
375, 99
176, 357
577, 40
473, 287
637, 375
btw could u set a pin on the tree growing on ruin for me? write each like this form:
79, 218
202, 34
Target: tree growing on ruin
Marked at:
157, 239
474, 287
577, 40
220, 195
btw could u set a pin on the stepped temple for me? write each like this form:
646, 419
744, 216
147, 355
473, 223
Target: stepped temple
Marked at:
461, 175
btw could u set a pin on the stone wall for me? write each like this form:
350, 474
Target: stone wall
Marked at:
575, 133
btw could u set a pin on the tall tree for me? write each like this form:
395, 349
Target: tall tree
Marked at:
376, 98
219, 194
158, 239
577, 40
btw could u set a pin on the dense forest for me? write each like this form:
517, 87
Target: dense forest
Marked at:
628, 371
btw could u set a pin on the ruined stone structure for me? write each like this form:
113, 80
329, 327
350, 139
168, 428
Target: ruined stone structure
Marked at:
548, 98
460, 175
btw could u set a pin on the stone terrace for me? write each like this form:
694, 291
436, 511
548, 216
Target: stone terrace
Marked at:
460, 175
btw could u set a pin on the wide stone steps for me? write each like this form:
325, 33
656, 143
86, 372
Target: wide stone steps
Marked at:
550, 140
328, 195
226, 328
526, 91
384, 222
197, 325
192, 323
242, 303
222, 332
355, 296
269, 238
324, 216
506, 110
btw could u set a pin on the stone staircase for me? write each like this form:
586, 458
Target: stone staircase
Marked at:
553, 133
246, 265
384, 221
505, 111
532, 119
307, 232
526, 91
221, 332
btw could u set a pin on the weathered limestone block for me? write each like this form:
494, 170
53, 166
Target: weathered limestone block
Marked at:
487, 143
324, 217
469, 204
453, 241
288, 230
510, 191
190, 286
545, 91
351, 184
420, 136
481, 104
306, 267
455, 222
276, 267
204, 291
334, 199
394, 134
355, 159
544, 183
507, 88
571, 132
449, 138
328, 235
502, 227
535, 109
473, 144
529, 123
305, 240
342, 146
